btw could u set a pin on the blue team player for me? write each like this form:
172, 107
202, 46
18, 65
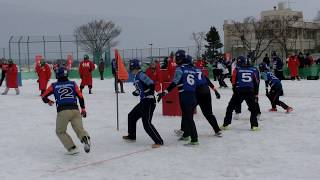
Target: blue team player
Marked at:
276, 89
245, 88
145, 89
185, 79
66, 94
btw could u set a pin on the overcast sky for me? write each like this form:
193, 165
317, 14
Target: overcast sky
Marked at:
161, 22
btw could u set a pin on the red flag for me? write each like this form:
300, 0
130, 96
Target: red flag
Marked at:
121, 70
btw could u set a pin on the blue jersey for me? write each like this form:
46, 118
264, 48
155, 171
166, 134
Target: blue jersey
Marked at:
200, 78
65, 93
246, 78
144, 85
185, 78
271, 79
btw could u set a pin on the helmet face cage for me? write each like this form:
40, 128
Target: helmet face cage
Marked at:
180, 57
61, 72
134, 64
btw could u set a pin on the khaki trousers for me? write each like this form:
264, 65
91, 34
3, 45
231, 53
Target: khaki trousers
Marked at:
63, 118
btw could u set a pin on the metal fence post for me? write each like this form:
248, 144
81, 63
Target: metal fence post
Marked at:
10, 46
77, 46
44, 47
28, 52
60, 46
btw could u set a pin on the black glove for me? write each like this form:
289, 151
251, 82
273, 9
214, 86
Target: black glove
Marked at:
267, 93
217, 94
136, 93
256, 98
160, 96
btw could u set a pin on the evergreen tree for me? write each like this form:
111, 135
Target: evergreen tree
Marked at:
214, 43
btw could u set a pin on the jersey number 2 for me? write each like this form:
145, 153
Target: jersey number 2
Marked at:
65, 92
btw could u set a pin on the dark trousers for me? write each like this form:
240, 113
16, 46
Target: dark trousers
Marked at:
89, 86
221, 78
279, 74
237, 98
273, 96
116, 88
145, 111
204, 101
101, 75
3, 75
238, 107
188, 103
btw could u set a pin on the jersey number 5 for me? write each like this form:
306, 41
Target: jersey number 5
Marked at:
246, 77
65, 92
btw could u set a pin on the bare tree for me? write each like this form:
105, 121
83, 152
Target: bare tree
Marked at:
254, 36
96, 36
285, 33
198, 38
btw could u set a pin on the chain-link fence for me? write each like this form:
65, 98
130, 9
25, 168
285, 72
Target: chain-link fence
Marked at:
24, 49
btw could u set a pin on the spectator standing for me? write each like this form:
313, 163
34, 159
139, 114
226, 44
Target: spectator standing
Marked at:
277, 66
116, 80
266, 60
11, 78
293, 65
4, 68
101, 68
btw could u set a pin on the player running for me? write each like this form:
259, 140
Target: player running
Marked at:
66, 93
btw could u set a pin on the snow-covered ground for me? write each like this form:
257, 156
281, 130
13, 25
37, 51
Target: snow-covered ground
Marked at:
287, 147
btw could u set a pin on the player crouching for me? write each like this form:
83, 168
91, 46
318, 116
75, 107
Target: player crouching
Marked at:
66, 93
276, 89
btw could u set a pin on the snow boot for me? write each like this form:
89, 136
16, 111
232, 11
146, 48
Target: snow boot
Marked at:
73, 150
192, 143
289, 109
273, 110
178, 132
86, 141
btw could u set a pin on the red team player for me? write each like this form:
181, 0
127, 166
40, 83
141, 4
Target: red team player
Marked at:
44, 75
153, 72
85, 70
11, 77
66, 93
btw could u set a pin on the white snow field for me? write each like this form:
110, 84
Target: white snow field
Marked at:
286, 148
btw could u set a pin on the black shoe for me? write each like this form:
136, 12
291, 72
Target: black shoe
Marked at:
86, 141
128, 138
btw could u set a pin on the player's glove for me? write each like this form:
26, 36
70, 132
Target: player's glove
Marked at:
83, 113
50, 103
218, 96
256, 98
136, 93
160, 95
267, 93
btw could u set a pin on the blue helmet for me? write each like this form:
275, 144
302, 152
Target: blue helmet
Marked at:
242, 61
263, 67
134, 64
61, 72
180, 56
187, 60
